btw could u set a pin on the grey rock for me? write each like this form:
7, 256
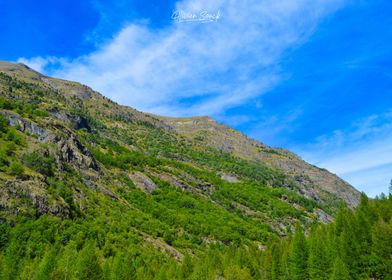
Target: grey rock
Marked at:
73, 151
76, 122
143, 182
322, 216
25, 125
229, 178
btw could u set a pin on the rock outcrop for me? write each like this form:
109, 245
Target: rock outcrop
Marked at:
25, 125
143, 182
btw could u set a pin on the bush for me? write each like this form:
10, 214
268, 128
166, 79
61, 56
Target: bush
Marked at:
3, 159
5, 104
14, 136
39, 163
9, 148
3, 124
16, 169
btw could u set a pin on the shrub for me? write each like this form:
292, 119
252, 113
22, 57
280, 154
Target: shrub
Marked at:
40, 163
14, 136
3, 124
5, 104
8, 149
3, 159
16, 169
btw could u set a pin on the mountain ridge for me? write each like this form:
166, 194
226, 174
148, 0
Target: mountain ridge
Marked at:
230, 140
221, 137
109, 147
90, 189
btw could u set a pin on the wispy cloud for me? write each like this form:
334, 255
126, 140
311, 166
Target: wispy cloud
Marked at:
219, 65
271, 128
361, 153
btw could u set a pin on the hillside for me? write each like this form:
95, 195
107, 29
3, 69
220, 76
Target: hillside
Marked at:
312, 181
79, 171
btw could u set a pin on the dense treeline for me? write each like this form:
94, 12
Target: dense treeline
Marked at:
356, 246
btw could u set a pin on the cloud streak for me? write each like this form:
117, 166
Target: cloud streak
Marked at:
361, 154
217, 65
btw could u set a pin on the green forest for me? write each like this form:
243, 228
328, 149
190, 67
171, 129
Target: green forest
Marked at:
357, 245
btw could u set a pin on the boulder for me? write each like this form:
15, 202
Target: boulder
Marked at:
143, 182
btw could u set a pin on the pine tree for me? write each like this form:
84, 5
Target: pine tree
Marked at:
267, 264
47, 265
390, 189
381, 254
122, 268
363, 235
340, 271
318, 263
3, 124
30, 269
349, 252
12, 261
299, 255
277, 264
87, 266
65, 267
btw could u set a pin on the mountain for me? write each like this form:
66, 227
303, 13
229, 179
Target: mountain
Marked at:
312, 181
76, 166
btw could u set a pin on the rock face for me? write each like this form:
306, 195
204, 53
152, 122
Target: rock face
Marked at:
322, 216
31, 197
25, 125
73, 151
143, 182
77, 122
172, 181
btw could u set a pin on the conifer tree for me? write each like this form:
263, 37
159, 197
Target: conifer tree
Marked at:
65, 266
47, 265
277, 263
30, 269
87, 266
390, 189
122, 268
299, 255
340, 271
381, 254
10, 268
318, 263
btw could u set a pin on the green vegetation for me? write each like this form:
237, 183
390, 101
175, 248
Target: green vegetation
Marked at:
16, 169
40, 162
3, 124
71, 208
356, 246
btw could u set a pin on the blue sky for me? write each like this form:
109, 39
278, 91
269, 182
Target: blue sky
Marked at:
313, 76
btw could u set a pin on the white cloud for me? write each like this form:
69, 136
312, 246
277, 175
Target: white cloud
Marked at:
373, 181
221, 64
269, 129
37, 63
361, 154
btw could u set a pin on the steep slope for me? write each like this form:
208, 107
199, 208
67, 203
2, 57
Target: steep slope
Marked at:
87, 168
313, 181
